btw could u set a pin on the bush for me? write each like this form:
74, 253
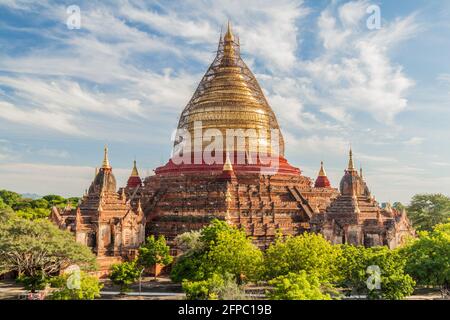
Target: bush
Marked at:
89, 288
34, 282
297, 286
124, 274
214, 288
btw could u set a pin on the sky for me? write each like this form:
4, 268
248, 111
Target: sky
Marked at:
123, 78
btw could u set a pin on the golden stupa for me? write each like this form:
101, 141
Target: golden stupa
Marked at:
229, 97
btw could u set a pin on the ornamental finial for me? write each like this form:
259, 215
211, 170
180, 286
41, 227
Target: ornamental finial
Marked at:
351, 167
227, 166
134, 172
229, 35
322, 172
105, 159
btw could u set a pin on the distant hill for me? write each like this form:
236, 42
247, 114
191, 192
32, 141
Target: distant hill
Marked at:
32, 196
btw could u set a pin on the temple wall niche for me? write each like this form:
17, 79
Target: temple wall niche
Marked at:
105, 236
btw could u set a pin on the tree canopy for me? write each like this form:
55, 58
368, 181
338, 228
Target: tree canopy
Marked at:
88, 289
38, 248
309, 252
124, 274
427, 210
223, 249
33, 208
297, 286
428, 257
154, 251
361, 267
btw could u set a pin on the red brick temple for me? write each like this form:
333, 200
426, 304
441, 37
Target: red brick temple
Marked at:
239, 188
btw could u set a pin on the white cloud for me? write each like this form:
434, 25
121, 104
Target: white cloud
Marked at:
355, 73
318, 144
40, 119
414, 141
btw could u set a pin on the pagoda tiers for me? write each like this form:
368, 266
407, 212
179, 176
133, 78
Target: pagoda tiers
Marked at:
355, 217
105, 220
186, 196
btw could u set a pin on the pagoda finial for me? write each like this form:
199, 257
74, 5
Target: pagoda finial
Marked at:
134, 172
227, 166
105, 159
229, 34
322, 172
351, 167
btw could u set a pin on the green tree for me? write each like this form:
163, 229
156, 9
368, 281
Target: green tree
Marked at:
398, 206
428, 258
230, 251
189, 241
223, 249
124, 274
34, 214
297, 286
309, 252
10, 197
153, 252
216, 287
394, 283
428, 210
40, 203
38, 281
88, 289
3, 205
38, 249
189, 266
55, 200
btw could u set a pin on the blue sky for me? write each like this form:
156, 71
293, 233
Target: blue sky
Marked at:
124, 77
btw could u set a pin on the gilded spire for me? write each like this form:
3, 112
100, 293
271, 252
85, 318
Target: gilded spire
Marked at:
227, 166
229, 34
228, 39
105, 160
134, 172
322, 172
351, 167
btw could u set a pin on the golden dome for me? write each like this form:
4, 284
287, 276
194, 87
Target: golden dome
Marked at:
229, 97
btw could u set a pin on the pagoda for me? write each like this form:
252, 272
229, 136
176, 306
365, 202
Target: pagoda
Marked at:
105, 220
356, 218
228, 163
239, 187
